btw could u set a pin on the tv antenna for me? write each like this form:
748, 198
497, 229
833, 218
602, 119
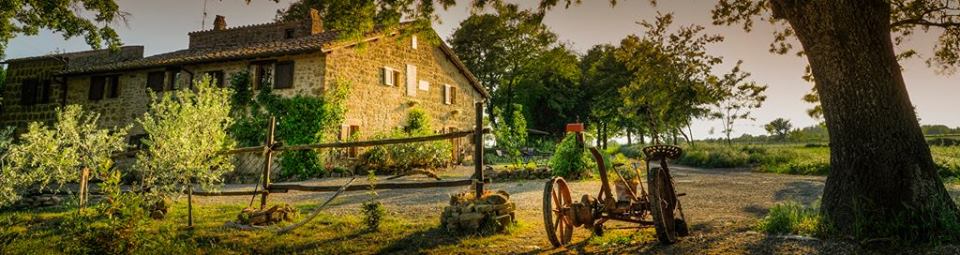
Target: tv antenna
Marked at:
203, 22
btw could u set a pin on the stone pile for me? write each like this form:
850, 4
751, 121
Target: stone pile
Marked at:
273, 215
518, 174
490, 214
38, 201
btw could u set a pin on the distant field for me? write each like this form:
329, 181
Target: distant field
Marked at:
803, 159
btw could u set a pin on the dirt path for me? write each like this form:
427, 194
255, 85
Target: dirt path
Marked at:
722, 206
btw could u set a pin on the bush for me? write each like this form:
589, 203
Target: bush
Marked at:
373, 213
397, 158
300, 120
570, 160
186, 131
715, 157
792, 218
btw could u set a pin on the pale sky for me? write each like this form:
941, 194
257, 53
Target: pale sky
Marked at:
162, 26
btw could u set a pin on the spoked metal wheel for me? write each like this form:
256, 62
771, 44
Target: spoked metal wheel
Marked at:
663, 204
556, 212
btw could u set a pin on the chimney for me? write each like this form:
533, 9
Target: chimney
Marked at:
316, 22
219, 23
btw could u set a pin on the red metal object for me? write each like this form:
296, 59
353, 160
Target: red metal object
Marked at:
575, 127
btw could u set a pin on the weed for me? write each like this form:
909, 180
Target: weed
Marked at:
792, 218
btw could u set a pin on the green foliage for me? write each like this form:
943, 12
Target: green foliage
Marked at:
737, 97
91, 19
792, 218
779, 128
397, 158
300, 120
571, 160
55, 153
670, 77
511, 135
186, 131
373, 213
3, 83
774, 159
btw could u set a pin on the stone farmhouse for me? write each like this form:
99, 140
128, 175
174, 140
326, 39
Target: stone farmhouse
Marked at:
388, 75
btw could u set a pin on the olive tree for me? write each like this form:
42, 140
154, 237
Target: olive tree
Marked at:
56, 153
186, 133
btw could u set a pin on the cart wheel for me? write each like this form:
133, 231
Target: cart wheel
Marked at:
663, 201
556, 199
682, 229
598, 230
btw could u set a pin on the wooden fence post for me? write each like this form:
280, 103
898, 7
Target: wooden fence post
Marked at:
190, 206
268, 156
84, 176
478, 150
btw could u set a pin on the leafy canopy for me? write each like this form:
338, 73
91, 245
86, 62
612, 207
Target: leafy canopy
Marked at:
91, 19
56, 153
186, 131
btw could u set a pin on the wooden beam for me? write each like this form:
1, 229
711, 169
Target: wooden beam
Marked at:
446, 136
410, 185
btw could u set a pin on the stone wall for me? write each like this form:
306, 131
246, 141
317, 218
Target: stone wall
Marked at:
45, 68
378, 108
254, 33
12, 112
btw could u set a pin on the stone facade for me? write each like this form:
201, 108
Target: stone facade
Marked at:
372, 106
43, 71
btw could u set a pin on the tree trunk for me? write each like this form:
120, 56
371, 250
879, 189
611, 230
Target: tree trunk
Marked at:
690, 132
640, 135
629, 140
882, 181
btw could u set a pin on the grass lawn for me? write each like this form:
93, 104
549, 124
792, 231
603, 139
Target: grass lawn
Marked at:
47, 232
792, 158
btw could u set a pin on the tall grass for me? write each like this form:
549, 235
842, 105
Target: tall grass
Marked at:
792, 218
792, 158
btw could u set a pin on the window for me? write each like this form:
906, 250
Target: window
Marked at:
283, 75
261, 72
174, 77
97, 84
424, 85
449, 94
29, 90
217, 77
155, 81
113, 86
136, 141
391, 77
45, 92
101, 86
411, 80
288, 34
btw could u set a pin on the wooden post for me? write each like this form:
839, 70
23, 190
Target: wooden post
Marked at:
268, 156
190, 206
84, 176
478, 150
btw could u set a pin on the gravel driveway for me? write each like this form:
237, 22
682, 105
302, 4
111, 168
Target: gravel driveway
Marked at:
722, 206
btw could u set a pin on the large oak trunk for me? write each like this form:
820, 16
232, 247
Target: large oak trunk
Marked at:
882, 181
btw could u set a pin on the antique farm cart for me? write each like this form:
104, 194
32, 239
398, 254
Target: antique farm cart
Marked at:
660, 207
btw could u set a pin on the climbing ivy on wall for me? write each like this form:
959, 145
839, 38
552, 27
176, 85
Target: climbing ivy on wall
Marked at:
300, 120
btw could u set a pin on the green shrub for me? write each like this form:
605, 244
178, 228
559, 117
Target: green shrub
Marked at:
571, 160
715, 157
300, 120
373, 213
632, 151
791, 218
397, 158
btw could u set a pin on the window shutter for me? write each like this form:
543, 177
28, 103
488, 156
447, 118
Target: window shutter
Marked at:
396, 78
446, 94
388, 76
283, 75
155, 81
453, 95
96, 87
411, 80
114, 88
45, 93
28, 92
217, 76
